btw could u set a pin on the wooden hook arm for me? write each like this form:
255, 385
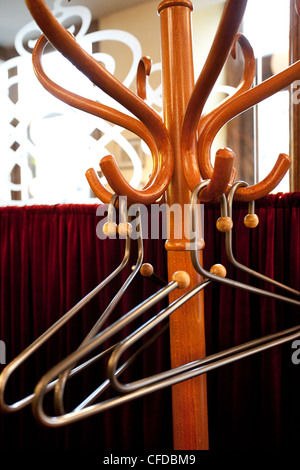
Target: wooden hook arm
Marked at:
233, 108
221, 47
246, 81
64, 42
144, 69
249, 70
221, 175
97, 109
84, 104
220, 178
117, 181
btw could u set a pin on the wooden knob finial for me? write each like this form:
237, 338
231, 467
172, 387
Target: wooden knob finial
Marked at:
182, 278
251, 220
124, 229
218, 270
110, 229
224, 224
146, 270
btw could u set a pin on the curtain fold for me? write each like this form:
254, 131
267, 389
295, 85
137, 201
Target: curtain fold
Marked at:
51, 257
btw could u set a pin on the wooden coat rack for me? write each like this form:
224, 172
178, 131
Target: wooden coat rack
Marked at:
181, 147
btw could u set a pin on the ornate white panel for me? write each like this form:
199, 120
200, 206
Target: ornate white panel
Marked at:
51, 143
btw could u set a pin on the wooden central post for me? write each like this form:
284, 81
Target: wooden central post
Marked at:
187, 329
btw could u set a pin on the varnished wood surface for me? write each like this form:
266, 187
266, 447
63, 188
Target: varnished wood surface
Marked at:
187, 329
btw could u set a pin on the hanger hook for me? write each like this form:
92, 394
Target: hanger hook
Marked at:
219, 272
31, 349
251, 220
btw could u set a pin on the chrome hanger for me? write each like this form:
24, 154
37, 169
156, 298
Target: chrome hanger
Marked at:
147, 385
124, 229
180, 279
104, 386
218, 272
225, 224
110, 229
192, 369
157, 382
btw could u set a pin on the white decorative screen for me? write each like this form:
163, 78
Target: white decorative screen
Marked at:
46, 146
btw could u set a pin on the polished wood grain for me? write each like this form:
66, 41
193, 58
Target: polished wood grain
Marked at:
251, 220
187, 327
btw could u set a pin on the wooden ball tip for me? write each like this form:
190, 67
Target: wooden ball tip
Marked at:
224, 224
218, 270
251, 220
182, 278
124, 229
110, 229
146, 270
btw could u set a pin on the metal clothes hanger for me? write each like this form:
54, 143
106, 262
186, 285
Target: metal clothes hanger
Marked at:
225, 224
194, 368
124, 229
157, 382
106, 383
120, 349
218, 272
147, 385
146, 271
180, 280
109, 228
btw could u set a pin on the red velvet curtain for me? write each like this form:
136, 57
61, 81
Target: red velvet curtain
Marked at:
51, 257
254, 403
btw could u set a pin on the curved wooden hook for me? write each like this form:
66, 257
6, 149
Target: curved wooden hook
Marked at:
233, 108
64, 42
85, 104
144, 70
97, 109
221, 47
246, 81
194, 176
222, 172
